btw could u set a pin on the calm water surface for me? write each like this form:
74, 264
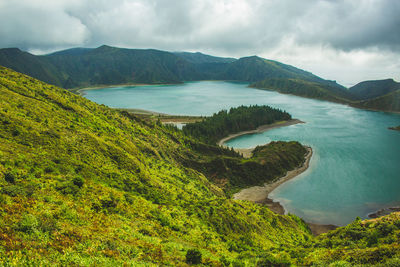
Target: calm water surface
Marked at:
355, 168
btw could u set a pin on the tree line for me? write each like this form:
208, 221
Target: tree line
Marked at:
242, 118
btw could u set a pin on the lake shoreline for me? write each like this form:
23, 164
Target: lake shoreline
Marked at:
260, 194
260, 129
78, 91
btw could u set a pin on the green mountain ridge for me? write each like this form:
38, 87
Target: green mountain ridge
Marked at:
82, 184
381, 95
105, 65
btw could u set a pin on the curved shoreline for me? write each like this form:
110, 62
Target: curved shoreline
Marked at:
262, 128
260, 194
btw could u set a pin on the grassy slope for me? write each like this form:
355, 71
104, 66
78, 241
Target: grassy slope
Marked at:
93, 186
84, 184
366, 242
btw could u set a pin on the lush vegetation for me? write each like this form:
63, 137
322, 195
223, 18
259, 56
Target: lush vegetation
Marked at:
231, 172
82, 184
361, 243
242, 118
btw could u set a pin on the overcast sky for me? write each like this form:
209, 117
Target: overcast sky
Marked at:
344, 40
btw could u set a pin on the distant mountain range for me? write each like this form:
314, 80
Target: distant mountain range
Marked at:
105, 65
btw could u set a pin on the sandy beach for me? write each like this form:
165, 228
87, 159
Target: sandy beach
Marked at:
259, 194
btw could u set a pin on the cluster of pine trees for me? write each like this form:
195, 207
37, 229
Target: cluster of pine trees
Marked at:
238, 119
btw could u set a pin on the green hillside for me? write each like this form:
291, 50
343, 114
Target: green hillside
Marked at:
372, 89
105, 65
109, 65
389, 102
254, 69
304, 88
82, 184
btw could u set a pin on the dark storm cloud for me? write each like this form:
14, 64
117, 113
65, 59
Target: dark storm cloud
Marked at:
289, 30
252, 25
352, 24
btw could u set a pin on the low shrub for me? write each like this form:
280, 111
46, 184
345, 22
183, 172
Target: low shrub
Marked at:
193, 256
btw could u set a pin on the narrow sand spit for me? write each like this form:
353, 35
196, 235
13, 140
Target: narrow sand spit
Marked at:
259, 194
260, 129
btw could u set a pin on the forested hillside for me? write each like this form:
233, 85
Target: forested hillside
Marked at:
82, 184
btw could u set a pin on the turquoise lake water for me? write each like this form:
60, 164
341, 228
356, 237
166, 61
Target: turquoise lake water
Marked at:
355, 168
